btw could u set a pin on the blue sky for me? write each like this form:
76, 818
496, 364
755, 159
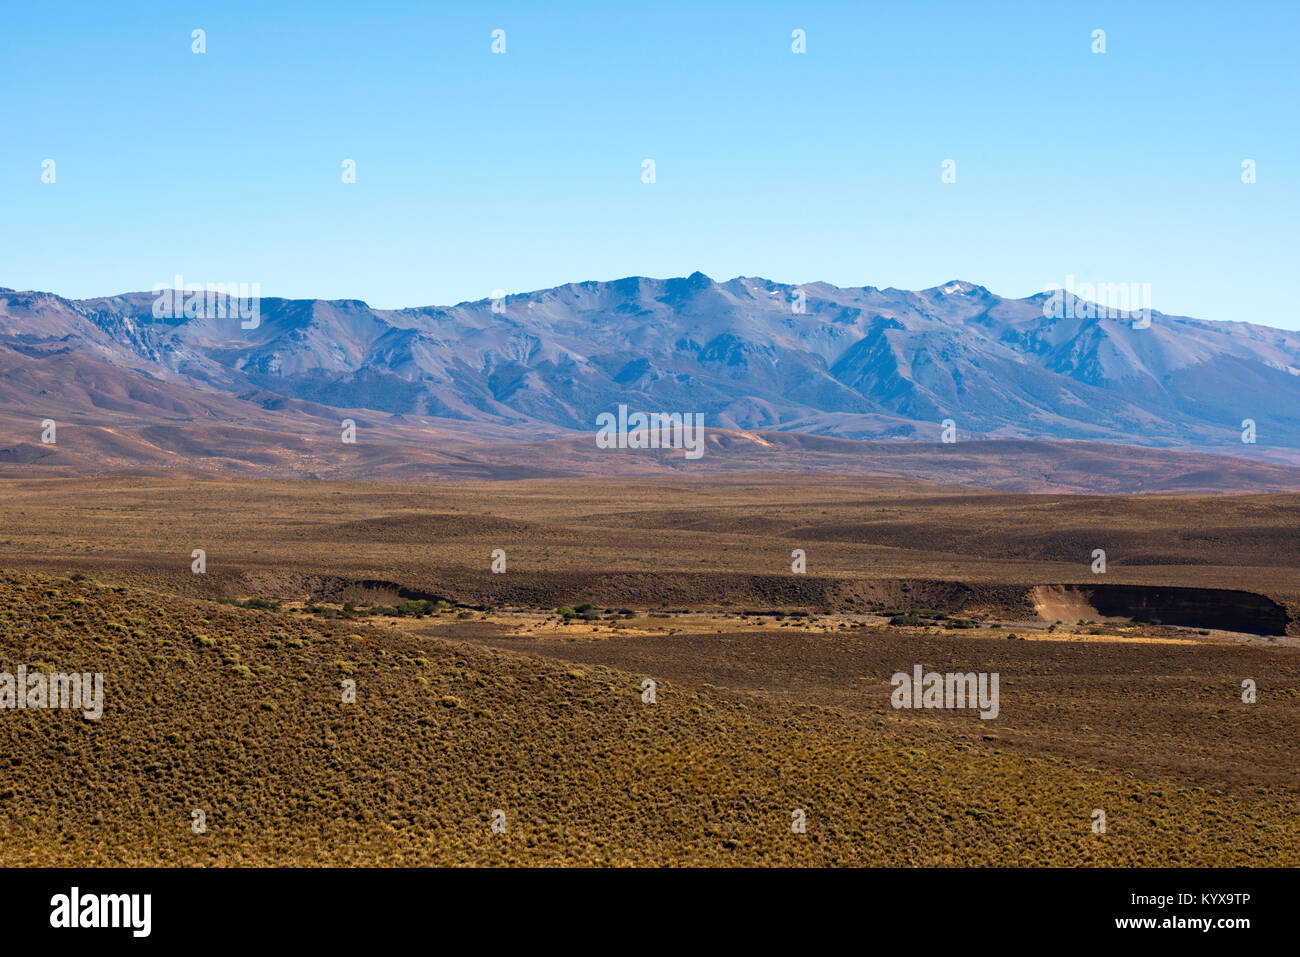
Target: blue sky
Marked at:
478, 172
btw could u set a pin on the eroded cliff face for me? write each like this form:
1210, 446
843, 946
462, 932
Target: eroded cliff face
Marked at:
1222, 608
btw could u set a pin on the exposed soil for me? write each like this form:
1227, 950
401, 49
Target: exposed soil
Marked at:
1221, 608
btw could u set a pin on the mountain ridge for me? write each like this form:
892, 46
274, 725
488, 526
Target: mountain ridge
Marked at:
867, 363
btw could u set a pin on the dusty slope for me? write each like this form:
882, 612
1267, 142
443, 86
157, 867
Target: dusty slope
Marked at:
238, 712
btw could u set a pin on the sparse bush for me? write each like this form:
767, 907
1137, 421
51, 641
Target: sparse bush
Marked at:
416, 608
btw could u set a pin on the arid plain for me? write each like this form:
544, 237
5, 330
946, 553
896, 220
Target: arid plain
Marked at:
522, 691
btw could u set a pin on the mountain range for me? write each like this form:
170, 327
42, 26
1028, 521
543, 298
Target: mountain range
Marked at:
752, 355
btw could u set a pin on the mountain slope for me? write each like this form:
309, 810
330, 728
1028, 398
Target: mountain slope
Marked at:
858, 363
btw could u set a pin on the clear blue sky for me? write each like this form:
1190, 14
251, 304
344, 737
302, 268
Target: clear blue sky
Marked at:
521, 171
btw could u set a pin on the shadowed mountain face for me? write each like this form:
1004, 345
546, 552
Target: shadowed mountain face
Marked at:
856, 363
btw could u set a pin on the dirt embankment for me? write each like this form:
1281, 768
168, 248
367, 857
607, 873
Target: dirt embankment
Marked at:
1220, 608
1224, 609
680, 589
1217, 608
